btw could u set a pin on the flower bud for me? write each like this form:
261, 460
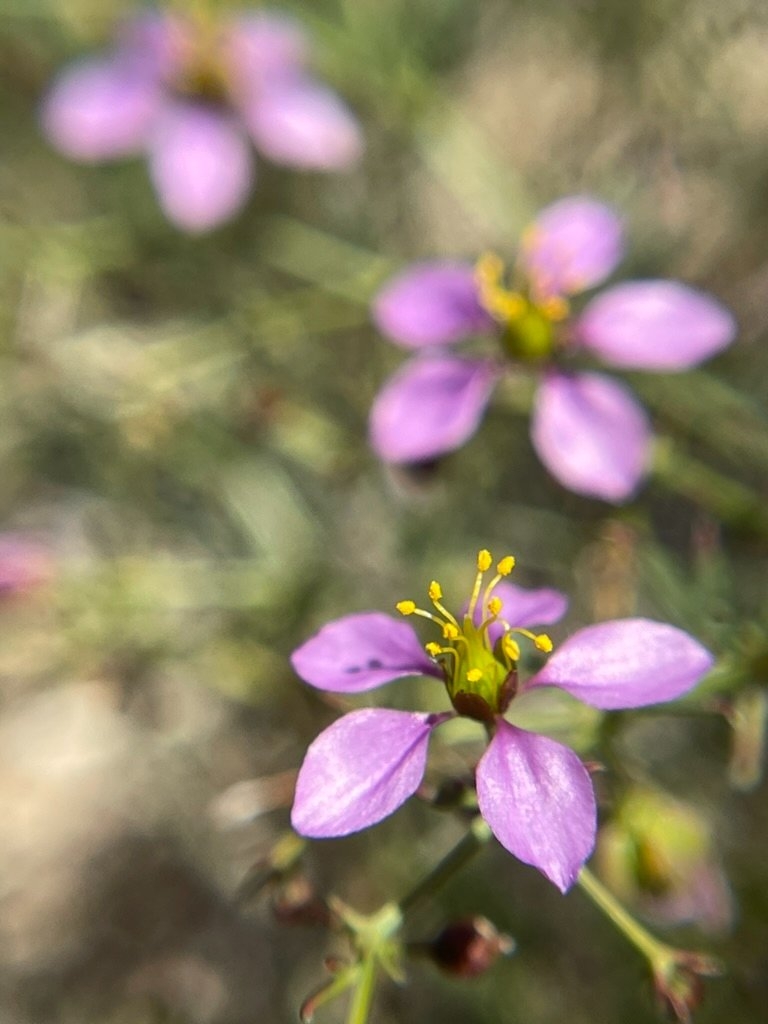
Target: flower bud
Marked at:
468, 947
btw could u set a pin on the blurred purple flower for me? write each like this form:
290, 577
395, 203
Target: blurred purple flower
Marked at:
588, 430
534, 793
24, 565
189, 93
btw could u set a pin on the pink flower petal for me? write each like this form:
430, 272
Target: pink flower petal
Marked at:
360, 770
200, 164
572, 245
591, 435
100, 109
430, 407
300, 123
627, 663
526, 608
431, 304
538, 799
360, 652
655, 325
263, 46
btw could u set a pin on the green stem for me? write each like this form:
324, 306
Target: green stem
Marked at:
461, 854
639, 936
362, 997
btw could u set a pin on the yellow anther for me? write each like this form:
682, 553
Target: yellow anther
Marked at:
406, 607
474, 675
433, 649
555, 307
450, 632
505, 566
511, 647
495, 605
484, 560
435, 591
543, 643
489, 269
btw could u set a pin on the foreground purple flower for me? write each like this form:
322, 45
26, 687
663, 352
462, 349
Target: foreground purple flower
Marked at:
189, 92
534, 793
587, 429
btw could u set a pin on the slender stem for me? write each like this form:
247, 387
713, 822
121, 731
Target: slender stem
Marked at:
639, 936
362, 997
461, 854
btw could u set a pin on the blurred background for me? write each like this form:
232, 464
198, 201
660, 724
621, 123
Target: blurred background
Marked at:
187, 494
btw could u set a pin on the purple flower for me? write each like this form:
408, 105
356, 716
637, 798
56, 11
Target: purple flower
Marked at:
24, 565
588, 430
189, 92
534, 793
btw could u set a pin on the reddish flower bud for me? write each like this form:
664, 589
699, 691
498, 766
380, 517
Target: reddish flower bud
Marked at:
467, 948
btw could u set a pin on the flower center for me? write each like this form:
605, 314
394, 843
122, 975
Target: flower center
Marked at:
202, 74
479, 654
529, 316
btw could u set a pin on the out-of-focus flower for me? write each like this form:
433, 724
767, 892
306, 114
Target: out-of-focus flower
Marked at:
24, 565
189, 91
657, 854
535, 794
587, 429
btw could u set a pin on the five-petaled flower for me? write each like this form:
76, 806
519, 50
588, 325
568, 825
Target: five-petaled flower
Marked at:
535, 793
587, 429
189, 91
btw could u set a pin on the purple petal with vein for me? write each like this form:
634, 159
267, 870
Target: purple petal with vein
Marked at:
655, 325
430, 407
200, 165
627, 663
360, 770
360, 652
100, 109
538, 799
572, 245
431, 304
300, 123
523, 607
592, 435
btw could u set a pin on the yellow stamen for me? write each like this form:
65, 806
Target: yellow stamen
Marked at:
543, 643
433, 649
555, 307
506, 565
510, 647
435, 591
474, 675
450, 631
500, 302
484, 560
406, 607
494, 606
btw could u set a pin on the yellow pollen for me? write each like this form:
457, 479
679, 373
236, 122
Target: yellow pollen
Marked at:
435, 591
474, 675
505, 566
406, 607
495, 605
450, 632
484, 560
433, 649
511, 648
543, 643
